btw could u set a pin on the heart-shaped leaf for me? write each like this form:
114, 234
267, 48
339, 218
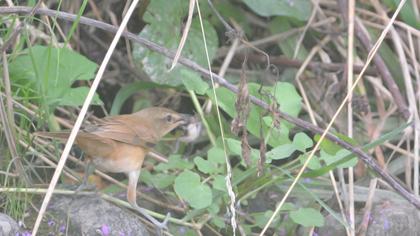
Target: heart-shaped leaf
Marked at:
189, 188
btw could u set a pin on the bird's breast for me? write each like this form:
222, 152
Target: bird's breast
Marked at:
124, 158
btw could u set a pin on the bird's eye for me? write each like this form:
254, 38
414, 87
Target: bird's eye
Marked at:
168, 118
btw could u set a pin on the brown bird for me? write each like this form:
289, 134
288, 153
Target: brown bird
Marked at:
119, 144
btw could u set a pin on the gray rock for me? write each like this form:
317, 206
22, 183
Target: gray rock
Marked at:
8, 226
387, 218
91, 215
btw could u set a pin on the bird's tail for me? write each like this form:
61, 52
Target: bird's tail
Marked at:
62, 135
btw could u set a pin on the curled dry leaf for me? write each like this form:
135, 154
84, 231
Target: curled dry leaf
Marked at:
242, 109
246, 149
275, 111
263, 150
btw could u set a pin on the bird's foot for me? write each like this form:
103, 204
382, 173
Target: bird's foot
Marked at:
160, 226
164, 224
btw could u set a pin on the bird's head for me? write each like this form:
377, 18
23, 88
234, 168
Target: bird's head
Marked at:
164, 120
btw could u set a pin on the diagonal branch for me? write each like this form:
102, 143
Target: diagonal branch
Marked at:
367, 159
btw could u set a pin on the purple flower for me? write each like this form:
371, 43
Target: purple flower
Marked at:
386, 225
105, 230
62, 228
24, 233
121, 234
51, 223
282, 231
307, 180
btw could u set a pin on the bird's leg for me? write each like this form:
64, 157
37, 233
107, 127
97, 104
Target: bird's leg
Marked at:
133, 177
89, 169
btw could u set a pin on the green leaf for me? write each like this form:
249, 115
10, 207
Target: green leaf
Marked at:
216, 155
302, 142
313, 164
331, 147
261, 218
218, 222
219, 183
288, 98
340, 155
307, 217
226, 99
162, 180
175, 162
230, 10
327, 145
51, 72
205, 166
281, 135
192, 82
407, 12
289, 44
146, 177
165, 24
213, 209
189, 188
298, 9
76, 96
112, 189
235, 148
281, 152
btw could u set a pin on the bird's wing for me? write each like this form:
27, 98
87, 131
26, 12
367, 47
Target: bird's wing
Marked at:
94, 145
91, 143
124, 129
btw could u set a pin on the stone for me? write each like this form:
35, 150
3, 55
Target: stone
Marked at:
8, 226
387, 218
92, 216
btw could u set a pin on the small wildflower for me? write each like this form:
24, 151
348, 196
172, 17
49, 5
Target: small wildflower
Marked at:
105, 230
307, 180
62, 228
386, 225
182, 230
26, 233
282, 231
21, 224
51, 223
